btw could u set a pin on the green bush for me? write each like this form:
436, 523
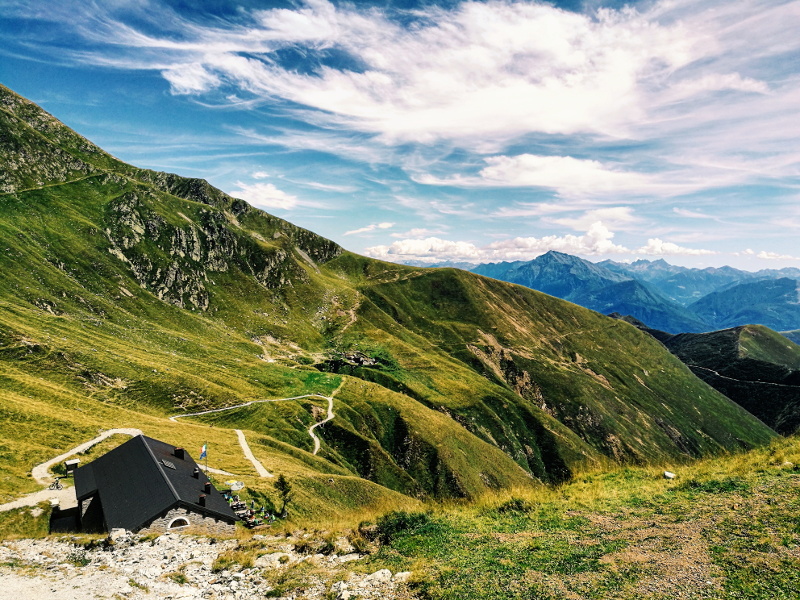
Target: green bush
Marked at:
515, 505
400, 521
716, 486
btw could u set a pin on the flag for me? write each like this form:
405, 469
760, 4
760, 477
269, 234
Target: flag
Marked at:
203, 452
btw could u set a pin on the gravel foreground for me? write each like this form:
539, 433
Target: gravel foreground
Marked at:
179, 567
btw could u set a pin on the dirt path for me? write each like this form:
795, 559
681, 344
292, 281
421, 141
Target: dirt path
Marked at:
315, 425
40, 472
243, 442
248, 454
66, 497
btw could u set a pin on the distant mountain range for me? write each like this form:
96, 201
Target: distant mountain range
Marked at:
663, 296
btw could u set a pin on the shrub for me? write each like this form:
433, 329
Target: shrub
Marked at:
390, 524
716, 486
515, 505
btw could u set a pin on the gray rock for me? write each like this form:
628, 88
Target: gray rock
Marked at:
382, 576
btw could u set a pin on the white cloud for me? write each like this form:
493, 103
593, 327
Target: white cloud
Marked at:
264, 195
369, 228
569, 176
260, 175
531, 209
775, 256
190, 79
659, 247
691, 214
597, 241
479, 74
430, 249
418, 233
616, 216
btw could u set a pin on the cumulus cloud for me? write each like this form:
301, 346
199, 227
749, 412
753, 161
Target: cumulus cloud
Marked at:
264, 195
764, 255
430, 249
369, 228
659, 247
597, 241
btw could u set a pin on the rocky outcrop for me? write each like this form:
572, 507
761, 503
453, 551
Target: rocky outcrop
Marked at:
175, 262
178, 566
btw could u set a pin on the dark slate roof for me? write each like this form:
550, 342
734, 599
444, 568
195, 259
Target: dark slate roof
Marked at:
136, 483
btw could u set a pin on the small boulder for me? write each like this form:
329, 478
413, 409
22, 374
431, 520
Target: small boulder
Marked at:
669, 475
382, 576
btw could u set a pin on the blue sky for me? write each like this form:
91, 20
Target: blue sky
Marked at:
449, 131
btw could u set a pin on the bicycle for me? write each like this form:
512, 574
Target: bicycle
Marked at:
56, 485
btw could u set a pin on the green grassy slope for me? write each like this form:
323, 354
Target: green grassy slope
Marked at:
752, 365
128, 295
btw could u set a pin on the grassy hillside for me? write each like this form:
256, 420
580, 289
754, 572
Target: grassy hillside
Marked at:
723, 529
129, 295
752, 365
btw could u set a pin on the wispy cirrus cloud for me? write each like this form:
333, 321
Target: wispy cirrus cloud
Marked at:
569, 176
369, 228
477, 74
498, 110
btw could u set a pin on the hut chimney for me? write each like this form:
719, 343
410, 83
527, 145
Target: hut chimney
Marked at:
196, 473
202, 501
179, 453
208, 487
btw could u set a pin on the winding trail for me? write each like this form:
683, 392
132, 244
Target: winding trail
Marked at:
315, 425
721, 376
66, 496
248, 454
40, 472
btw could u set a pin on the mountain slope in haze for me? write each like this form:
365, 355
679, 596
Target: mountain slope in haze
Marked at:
128, 295
792, 335
680, 284
774, 303
595, 287
752, 365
